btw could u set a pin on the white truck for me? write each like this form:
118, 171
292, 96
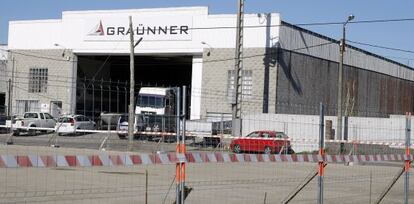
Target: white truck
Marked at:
155, 116
32, 122
154, 112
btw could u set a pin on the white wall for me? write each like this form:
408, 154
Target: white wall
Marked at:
197, 71
72, 31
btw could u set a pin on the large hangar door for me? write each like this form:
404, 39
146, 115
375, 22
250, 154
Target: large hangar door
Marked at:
103, 81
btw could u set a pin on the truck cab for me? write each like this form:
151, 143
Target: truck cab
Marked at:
154, 112
157, 107
155, 101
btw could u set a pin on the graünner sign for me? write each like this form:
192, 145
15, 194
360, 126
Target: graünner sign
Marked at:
154, 29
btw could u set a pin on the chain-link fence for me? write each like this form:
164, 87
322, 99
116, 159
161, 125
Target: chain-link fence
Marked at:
277, 157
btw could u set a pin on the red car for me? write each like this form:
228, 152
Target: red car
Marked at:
262, 141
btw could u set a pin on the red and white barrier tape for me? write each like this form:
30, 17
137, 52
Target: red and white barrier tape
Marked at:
12, 161
204, 135
369, 142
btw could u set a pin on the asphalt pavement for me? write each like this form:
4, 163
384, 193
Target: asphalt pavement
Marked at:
95, 141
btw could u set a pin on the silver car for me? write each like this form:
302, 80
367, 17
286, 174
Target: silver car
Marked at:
122, 126
70, 124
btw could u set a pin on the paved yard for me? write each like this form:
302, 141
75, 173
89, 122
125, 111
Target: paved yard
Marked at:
211, 183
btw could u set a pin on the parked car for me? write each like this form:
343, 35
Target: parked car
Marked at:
122, 126
69, 124
265, 141
33, 120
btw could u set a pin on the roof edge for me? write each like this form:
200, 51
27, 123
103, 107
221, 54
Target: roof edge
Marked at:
284, 23
199, 8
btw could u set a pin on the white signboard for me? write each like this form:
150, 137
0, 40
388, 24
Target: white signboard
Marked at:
161, 28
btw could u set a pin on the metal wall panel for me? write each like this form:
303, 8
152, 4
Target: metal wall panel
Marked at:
307, 42
305, 81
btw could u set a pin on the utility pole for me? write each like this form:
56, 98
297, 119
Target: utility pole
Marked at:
11, 84
9, 99
236, 100
131, 110
340, 78
131, 115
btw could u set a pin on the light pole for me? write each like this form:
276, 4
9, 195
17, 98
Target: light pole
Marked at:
61, 46
210, 48
340, 77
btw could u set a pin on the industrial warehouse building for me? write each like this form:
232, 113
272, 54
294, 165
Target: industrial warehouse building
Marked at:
80, 64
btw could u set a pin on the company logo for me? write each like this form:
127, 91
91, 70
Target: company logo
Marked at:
100, 30
97, 30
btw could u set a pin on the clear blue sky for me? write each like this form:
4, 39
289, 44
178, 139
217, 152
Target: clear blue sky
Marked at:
393, 34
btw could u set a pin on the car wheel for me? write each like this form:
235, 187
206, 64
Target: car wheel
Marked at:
77, 132
236, 149
267, 150
31, 132
16, 133
290, 150
122, 137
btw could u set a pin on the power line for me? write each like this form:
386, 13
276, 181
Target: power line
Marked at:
204, 62
212, 96
207, 95
37, 56
263, 26
355, 22
382, 47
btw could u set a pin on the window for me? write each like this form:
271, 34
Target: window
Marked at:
30, 115
265, 135
246, 82
280, 135
151, 101
42, 116
48, 116
23, 106
64, 120
253, 134
38, 80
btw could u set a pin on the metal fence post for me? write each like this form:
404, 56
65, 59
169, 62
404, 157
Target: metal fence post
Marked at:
126, 97
183, 146
93, 100
177, 168
407, 154
117, 97
321, 154
101, 86
84, 97
110, 95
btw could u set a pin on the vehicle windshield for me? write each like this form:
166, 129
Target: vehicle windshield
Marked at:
64, 120
124, 118
253, 134
153, 101
30, 115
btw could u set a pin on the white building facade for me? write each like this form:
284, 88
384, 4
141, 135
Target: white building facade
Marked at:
52, 57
